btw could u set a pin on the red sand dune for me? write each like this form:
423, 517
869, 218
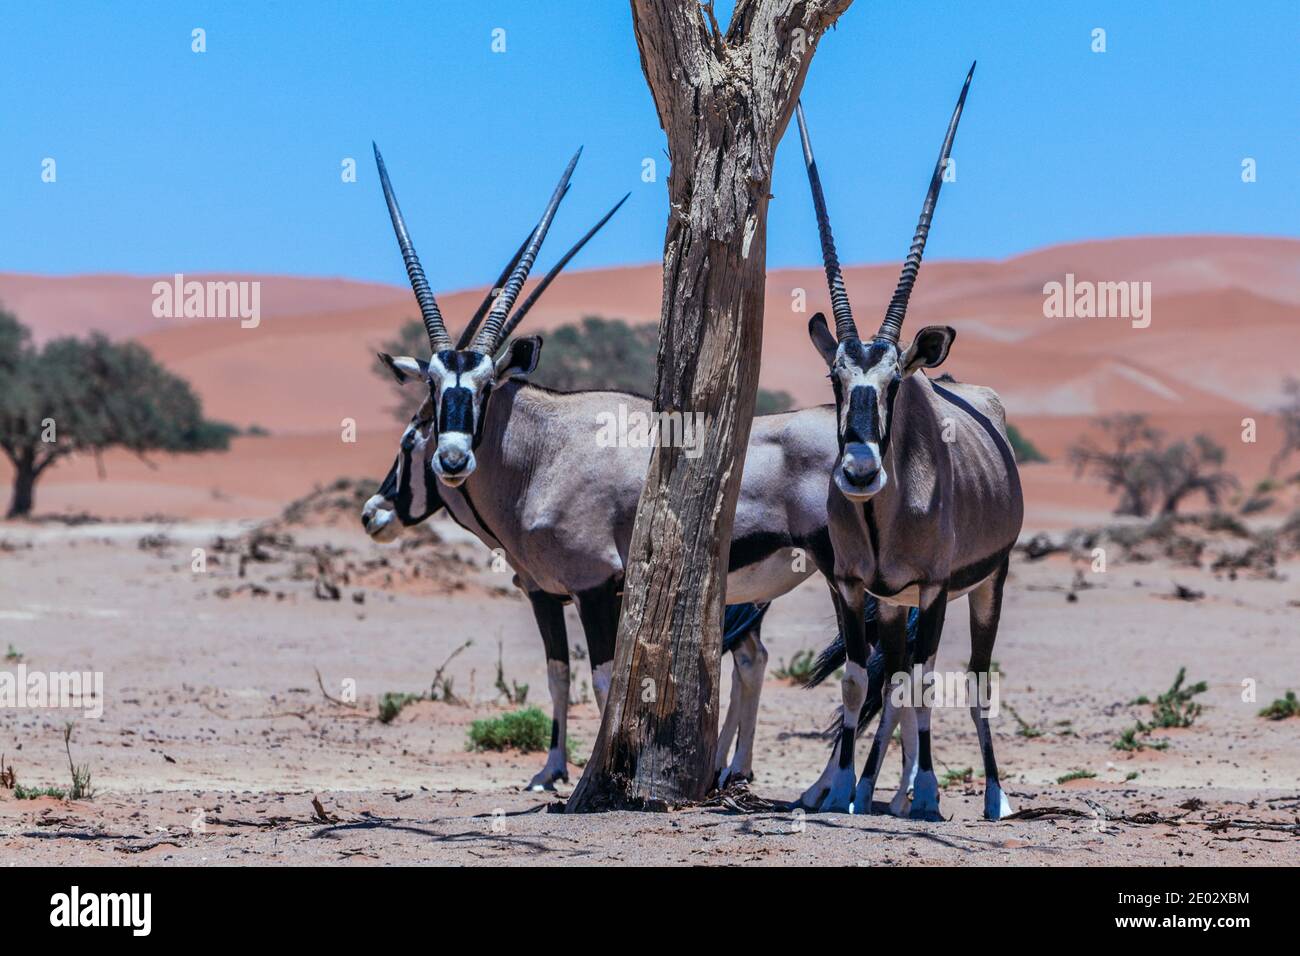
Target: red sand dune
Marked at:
1225, 331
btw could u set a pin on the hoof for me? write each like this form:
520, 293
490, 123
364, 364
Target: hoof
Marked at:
996, 804
925, 798
729, 775
862, 797
547, 777
839, 799
901, 805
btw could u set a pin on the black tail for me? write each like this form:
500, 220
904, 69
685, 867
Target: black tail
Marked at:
831, 659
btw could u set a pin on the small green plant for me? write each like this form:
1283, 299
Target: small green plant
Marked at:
525, 730
1129, 740
1175, 707
1023, 729
800, 668
81, 788
392, 704
574, 749
1283, 707
441, 688
1132, 775
1075, 775
514, 692
953, 777
13, 655
33, 793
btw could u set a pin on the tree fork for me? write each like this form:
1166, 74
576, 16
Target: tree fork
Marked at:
724, 101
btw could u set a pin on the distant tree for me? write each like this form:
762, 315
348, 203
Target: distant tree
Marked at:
1025, 451
1187, 467
1135, 462
88, 396
595, 353
1290, 415
1123, 462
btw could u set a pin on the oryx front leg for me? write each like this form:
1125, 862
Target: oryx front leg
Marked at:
891, 632
929, 630
750, 657
849, 598
598, 609
985, 614
549, 612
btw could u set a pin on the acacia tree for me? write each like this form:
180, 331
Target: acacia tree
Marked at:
88, 396
724, 99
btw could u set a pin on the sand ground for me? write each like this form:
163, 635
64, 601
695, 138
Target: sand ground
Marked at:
215, 735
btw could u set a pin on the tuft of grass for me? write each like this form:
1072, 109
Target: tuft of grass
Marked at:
81, 788
1075, 775
525, 730
33, 793
953, 777
392, 704
1023, 728
800, 668
1132, 775
1175, 707
514, 692
1283, 707
13, 655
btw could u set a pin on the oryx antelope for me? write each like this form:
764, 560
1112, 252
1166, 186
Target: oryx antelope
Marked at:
518, 466
926, 507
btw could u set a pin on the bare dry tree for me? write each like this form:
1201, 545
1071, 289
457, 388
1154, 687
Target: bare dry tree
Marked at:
1290, 415
1187, 467
1123, 462
1135, 462
724, 99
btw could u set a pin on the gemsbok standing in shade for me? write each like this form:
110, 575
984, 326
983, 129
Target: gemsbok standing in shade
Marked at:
521, 468
925, 507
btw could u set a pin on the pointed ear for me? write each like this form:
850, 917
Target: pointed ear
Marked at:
405, 368
929, 348
822, 339
520, 358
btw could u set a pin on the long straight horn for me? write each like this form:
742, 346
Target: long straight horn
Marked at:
492, 293
489, 336
439, 340
844, 326
893, 324
555, 270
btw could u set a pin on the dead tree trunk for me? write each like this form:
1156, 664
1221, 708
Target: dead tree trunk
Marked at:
724, 101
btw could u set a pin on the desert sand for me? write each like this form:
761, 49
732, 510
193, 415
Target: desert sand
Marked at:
216, 736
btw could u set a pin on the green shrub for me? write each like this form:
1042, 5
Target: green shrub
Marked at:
1282, 708
525, 730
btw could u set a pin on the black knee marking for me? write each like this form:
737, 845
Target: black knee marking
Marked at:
990, 763
923, 752
846, 747
929, 629
869, 771
555, 734
549, 613
598, 609
853, 627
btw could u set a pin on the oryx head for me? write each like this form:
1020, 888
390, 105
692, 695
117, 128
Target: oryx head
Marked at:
866, 374
409, 493
460, 377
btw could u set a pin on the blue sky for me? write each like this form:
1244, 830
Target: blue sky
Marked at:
168, 160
